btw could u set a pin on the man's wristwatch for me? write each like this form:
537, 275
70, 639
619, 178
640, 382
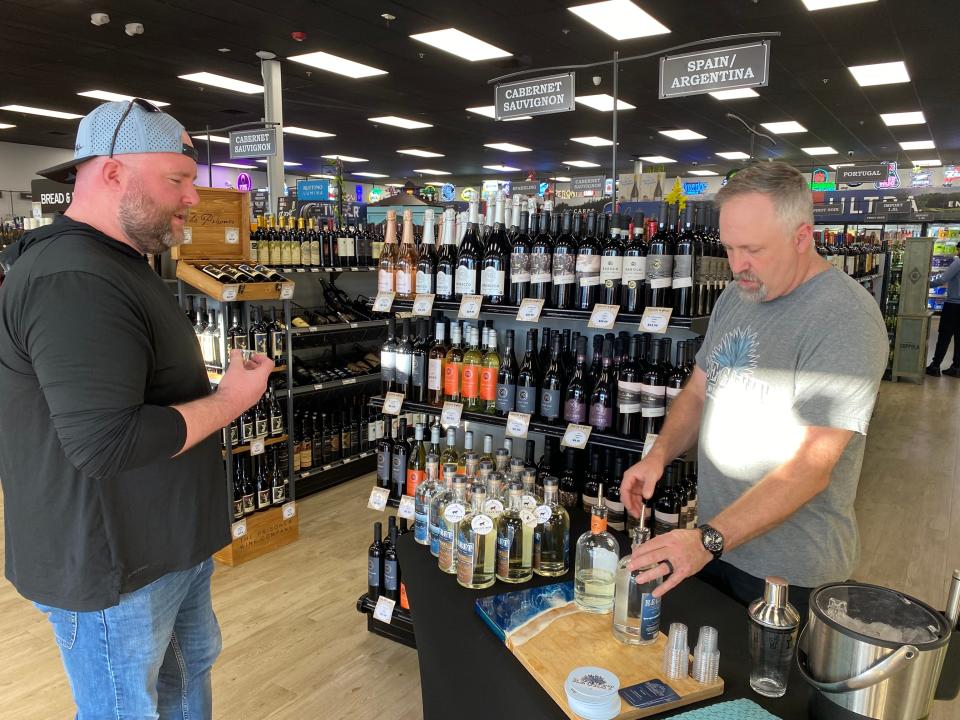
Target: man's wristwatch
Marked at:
712, 540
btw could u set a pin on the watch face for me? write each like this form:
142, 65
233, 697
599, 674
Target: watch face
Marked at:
712, 540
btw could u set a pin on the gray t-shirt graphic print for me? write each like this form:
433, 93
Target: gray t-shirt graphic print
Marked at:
814, 357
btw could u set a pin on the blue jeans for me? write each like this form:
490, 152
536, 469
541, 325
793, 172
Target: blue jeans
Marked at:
149, 657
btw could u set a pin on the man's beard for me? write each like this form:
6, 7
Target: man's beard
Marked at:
756, 295
148, 225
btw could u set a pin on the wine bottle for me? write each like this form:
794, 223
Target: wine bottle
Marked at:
520, 261
602, 397
507, 378
564, 277
386, 276
384, 453
616, 513
399, 457
236, 333
470, 373
589, 265
496, 260
653, 392
551, 387
541, 257
682, 284
678, 376
391, 569
528, 380
406, 264
427, 262
375, 564
435, 370
634, 279
660, 265
628, 393
417, 463
404, 361
591, 483
249, 486
388, 358
611, 263
575, 400
259, 332
469, 257
489, 373
418, 366
453, 366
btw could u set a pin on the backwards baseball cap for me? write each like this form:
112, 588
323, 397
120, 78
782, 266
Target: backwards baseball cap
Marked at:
122, 128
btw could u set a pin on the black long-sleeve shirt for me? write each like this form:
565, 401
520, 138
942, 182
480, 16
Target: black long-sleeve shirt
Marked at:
94, 350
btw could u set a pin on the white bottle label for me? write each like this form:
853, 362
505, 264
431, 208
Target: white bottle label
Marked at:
491, 281
481, 524
542, 513
404, 284
493, 507
385, 281
435, 374
520, 267
444, 283
611, 267
634, 269
466, 282
424, 282
589, 264
454, 513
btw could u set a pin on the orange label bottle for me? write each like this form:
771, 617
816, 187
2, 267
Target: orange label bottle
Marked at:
451, 381
598, 523
470, 383
488, 384
414, 478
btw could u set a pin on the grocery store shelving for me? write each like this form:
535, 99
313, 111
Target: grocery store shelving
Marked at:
318, 269
337, 327
266, 443
329, 385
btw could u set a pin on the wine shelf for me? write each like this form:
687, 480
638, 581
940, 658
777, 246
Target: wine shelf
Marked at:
266, 443
695, 324
400, 628
319, 269
304, 474
333, 473
337, 327
596, 438
215, 377
307, 389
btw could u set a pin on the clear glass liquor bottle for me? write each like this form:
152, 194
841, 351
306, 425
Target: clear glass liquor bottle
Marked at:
515, 540
421, 501
427, 262
386, 275
636, 613
596, 564
476, 544
449, 455
468, 455
551, 537
451, 511
406, 266
442, 495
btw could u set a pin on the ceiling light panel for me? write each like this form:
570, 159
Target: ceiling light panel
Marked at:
736, 94
370, 175
580, 163
821, 150
593, 141
400, 122
293, 130
490, 112
501, 168
903, 118
620, 19
335, 64
324, 176
344, 158
28, 110
427, 171
683, 134
6, 126
659, 159
420, 153
702, 173
880, 73
918, 145
814, 5
223, 82
560, 179
286, 163
507, 147
108, 96
213, 138
238, 166
927, 163
604, 102
456, 42
733, 155
784, 128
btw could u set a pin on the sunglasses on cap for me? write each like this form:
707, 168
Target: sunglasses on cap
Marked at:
188, 150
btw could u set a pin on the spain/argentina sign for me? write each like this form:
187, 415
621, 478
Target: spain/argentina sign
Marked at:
729, 68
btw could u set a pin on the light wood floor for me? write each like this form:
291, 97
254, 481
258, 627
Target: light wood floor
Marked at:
295, 647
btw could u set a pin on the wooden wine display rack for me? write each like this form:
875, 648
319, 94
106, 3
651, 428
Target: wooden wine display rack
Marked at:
218, 232
265, 532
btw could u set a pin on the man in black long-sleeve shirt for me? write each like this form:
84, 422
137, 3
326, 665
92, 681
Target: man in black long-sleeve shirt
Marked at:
113, 484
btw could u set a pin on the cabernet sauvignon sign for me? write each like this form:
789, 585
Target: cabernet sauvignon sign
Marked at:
536, 96
258, 142
740, 66
593, 183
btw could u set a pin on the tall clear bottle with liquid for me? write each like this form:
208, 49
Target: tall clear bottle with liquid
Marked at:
476, 544
421, 501
551, 537
596, 564
636, 612
452, 510
407, 257
515, 540
443, 495
386, 274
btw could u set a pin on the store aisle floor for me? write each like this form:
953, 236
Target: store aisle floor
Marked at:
295, 647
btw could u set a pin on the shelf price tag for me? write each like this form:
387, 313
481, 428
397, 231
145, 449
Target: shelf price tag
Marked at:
239, 529
603, 316
648, 442
286, 291
423, 305
289, 510
229, 292
529, 310
576, 436
392, 403
257, 445
450, 415
384, 609
378, 499
407, 507
655, 319
517, 425
384, 301
470, 307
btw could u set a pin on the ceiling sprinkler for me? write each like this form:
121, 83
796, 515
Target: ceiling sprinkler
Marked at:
99, 18
298, 36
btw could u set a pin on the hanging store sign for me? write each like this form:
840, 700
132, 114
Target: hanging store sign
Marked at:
259, 142
593, 183
313, 190
535, 96
828, 210
53, 196
525, 187
706, 71
877, 172
259, 201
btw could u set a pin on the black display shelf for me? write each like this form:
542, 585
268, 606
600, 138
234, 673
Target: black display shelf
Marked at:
695, 324
596, 438
337, 327
329, 385
400, 628
318, 269
333, 473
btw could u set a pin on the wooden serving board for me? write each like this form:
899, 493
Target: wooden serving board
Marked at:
552, 642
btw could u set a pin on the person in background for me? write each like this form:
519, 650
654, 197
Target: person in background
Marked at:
949, 320
114, 489
779, 405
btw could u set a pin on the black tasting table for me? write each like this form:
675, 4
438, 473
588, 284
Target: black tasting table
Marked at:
467, 672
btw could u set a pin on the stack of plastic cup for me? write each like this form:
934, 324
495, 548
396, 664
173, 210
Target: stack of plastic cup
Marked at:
676, 654
706, 657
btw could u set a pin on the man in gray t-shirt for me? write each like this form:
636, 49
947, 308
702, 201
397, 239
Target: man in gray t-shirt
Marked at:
778, 405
